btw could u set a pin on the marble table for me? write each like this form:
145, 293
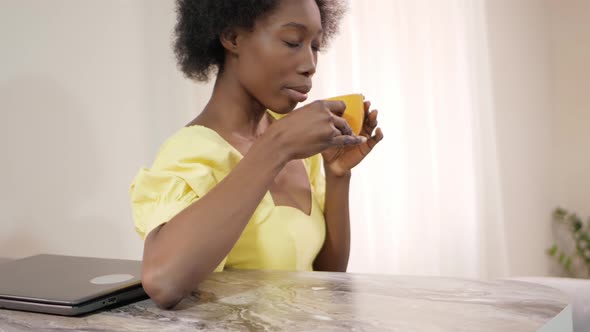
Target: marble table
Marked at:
291, 301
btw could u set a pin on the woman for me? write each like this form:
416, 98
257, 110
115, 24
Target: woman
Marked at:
237, 188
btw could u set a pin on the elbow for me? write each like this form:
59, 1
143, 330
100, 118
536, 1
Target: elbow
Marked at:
161, 290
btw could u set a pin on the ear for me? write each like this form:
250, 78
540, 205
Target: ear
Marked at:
229, 40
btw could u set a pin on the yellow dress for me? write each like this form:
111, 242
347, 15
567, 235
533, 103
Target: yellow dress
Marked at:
192, 162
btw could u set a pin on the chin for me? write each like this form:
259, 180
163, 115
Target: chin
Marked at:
283, 108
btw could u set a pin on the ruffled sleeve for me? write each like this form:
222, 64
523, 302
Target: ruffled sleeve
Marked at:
156, 197
188, 166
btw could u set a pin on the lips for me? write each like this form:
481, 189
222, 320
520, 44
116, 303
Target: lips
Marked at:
298, 93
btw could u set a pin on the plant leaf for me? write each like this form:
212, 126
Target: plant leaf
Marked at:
559, 213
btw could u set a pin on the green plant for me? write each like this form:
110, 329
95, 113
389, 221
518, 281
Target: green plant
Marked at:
580, 235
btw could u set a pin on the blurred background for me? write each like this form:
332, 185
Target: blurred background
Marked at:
484, 105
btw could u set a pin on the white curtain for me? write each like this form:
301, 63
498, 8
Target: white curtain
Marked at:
427, 201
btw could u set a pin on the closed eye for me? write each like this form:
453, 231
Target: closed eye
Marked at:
291, 45
315, 48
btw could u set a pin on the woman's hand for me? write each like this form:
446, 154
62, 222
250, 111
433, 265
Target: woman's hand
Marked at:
312, 129
340, 160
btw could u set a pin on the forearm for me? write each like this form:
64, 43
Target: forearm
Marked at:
334, 254
184, 251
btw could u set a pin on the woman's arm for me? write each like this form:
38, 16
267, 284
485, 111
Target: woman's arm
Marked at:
338, 164
181, 253
336, 249
184, 251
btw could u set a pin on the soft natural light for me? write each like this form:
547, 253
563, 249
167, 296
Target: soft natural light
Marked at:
416, 204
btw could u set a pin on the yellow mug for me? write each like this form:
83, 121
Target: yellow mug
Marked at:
355, 111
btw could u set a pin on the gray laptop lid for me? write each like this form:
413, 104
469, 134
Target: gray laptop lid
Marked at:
66, 280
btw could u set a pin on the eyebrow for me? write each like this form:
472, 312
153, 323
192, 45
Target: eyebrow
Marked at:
298, 26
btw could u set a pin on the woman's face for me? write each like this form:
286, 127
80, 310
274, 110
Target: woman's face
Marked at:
277, 60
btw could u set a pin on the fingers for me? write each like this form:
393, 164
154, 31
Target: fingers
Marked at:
367, 105
342, 126
370, 123
343, 135
344, 140
371, 142
376, 138
371, 120
336, 107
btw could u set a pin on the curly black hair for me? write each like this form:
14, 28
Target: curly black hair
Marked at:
200, 22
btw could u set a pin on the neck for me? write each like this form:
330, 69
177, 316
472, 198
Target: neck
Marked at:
232, 109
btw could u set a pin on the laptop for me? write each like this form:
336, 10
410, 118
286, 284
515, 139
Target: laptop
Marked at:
68, 285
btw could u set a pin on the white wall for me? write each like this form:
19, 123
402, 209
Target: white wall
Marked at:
541, 72
569, 37
88, 90
524, 126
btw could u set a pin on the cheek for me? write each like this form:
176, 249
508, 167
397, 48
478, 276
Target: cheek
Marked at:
264, 68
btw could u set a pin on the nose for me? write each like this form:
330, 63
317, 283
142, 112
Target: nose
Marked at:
307, 66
